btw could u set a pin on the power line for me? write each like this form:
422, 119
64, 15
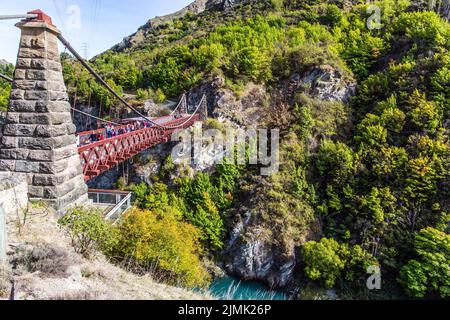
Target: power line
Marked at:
85, 47
59, 15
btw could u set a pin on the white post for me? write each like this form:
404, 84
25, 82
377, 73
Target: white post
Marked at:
2, 234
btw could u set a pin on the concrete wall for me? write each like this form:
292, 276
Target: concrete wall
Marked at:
13, 202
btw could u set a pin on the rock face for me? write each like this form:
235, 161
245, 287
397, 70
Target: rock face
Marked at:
196, 7
323, 82
226, 106
253, 255
258, 248
38, 137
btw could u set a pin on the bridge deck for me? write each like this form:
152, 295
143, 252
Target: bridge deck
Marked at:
100, 156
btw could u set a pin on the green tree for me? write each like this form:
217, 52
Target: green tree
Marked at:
430, 272
160, 242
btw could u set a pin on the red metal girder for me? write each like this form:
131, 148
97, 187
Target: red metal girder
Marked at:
102, 155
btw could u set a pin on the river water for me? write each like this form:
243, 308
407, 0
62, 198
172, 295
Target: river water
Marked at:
228, 288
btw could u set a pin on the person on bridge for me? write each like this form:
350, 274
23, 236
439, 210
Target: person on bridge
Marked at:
108, 132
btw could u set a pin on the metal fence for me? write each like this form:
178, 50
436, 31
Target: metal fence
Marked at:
114, 203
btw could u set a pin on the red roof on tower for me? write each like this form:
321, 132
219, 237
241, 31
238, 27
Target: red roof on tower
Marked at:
41, 16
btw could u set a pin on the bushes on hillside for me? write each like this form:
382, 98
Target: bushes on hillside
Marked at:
5, 86
430, 271
329, 261
155, 241
161, 242
88, 230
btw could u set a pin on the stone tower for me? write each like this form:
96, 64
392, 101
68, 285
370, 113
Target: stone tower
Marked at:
38, 137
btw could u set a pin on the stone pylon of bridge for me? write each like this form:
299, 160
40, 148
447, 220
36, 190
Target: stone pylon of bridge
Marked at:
38, 137
203, 110
183, 105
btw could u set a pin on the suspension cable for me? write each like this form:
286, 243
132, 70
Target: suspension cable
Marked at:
107, 86
97, 118
73, 108
182, 100
6, 78
98, 78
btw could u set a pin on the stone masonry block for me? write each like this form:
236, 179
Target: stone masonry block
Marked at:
21, 106
53, 167
41, 155
20, 74
32, 53
29, 85
13, 117
17, 94
72, 197
7, 165
35, 192
51, 180
14, 154
53, 55
33, 118
54, 66
38, 64
47, 131
32, 41
60, 117
59, 191
36, 75
71, 128
55, 76
56, 86
66, 152
36, 95
27, 166
46, 143
23, 63
58, 96
53, 106
19, 129
9, 142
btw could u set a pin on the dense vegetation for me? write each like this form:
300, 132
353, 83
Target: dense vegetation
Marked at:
155, 241
5, 87
372, 175
378, 181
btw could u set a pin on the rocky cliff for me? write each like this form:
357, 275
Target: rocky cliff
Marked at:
196, 7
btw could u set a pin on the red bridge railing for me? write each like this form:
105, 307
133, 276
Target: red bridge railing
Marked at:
98, 157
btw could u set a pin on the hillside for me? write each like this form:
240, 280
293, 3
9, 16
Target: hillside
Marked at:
363, 112
45, 266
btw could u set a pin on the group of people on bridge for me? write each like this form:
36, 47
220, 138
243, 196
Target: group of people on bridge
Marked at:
110, 131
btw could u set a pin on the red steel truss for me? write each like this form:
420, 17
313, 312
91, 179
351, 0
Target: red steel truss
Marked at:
98, 157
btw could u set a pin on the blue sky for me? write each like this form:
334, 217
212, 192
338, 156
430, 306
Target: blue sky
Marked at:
103, 23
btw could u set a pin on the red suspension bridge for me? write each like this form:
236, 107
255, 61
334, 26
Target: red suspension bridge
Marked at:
98, 157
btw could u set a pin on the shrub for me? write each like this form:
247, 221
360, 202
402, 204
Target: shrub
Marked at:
47, 259
430, 272
329, 261
88, 230
162, 243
